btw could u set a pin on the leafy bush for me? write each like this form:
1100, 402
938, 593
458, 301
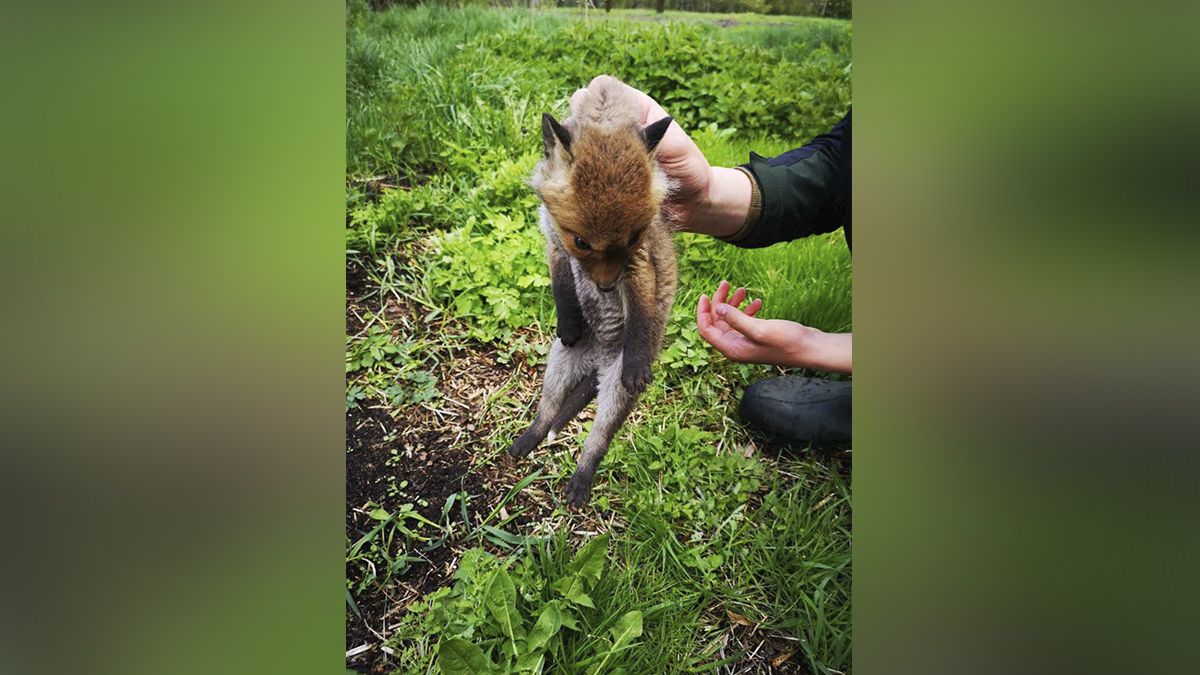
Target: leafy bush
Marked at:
697, 79
492, 274
419, 78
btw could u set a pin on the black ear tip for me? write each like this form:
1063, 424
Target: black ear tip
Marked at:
654, 133
553, 132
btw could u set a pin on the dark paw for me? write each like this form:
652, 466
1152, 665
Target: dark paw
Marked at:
635, 376
570, 333
524, 444
579, 490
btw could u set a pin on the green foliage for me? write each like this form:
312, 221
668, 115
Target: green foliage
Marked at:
428, 83
459, 657
458, 99
627, 629
492, 274
697, 79
795, 543
523, 617
688, 480
701, 8
375, 349
377, 363
684, 346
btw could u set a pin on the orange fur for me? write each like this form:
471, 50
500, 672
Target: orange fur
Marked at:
606, 188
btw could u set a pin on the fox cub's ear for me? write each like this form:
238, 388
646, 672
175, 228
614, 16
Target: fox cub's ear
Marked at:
555, 138
654, 133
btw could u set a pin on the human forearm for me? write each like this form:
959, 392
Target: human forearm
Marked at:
819, 350
723, 210
761, 204
804, 191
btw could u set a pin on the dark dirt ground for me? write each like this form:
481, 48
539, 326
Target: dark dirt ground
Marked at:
431, 447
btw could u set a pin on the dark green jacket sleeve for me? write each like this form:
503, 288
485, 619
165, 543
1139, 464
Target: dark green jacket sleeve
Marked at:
804, 191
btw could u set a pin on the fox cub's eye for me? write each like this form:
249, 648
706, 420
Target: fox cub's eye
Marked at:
579, 242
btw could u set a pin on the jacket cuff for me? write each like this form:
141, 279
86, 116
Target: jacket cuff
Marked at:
755, 213
773, 182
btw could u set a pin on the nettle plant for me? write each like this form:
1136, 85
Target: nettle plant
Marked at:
492, 272
511, 619
697, 79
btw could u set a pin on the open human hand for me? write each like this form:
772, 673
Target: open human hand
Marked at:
742, 337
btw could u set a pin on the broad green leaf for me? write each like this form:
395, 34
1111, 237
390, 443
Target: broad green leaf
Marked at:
627, 629
379, 514
562, 584
532, 662
571, 588
512, 649
548, 624
578, 597
566, 616
589, 561
501, 602
456, 656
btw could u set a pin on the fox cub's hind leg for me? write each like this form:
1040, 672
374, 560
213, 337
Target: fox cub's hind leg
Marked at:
568, 386
613, 405
583, 394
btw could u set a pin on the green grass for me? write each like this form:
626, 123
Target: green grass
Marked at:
446, 104
777, 32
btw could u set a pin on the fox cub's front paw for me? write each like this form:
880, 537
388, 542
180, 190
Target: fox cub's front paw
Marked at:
635, 375
570, 332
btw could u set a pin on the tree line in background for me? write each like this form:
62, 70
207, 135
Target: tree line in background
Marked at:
840, 9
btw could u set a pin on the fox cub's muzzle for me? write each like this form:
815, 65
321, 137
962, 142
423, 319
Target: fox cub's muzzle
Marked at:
606, 274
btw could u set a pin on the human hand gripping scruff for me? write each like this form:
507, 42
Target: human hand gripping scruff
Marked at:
612, 265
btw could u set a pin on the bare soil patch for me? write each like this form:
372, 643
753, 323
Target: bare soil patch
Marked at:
425, 454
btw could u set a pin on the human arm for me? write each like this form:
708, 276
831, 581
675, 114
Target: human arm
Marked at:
802, 192
742, 337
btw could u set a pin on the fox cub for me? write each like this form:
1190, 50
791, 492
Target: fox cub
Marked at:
612, 268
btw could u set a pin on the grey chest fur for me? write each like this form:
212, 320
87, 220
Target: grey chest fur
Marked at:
604, 312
